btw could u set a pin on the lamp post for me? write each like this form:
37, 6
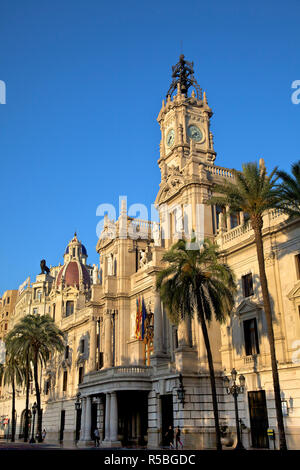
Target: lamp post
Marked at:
233, 389
34, 407
78, 416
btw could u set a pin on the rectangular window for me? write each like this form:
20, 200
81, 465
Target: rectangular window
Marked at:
67, 352
8, 300
35, 311
247, 282
69, 307
251, 337
101, 363
80, 375
53, 312
297, 261
65, 381
81, 346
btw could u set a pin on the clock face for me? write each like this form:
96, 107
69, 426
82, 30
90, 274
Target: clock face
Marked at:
170, 138
195, 133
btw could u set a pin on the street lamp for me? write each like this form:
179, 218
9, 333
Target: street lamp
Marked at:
233, 389
78, 416
34, 407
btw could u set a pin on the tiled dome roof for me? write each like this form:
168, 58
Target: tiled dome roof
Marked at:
83, 250
72, 273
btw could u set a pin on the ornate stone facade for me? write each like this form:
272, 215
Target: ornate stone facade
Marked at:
128, 387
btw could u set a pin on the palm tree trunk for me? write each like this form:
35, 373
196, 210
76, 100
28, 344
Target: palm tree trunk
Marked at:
27, 401
211, 369
38, 397
257, 227
13, 411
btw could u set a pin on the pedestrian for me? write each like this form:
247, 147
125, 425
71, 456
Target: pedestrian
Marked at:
177, 437
170, 437
44, 434
97, 437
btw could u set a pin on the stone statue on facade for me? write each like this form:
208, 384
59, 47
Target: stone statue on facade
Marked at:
44, 268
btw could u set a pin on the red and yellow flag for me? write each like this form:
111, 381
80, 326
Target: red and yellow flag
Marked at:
138, 319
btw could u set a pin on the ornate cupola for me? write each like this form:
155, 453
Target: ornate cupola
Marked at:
74, 271
75, 250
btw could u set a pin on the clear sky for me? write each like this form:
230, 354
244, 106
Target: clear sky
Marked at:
84, 84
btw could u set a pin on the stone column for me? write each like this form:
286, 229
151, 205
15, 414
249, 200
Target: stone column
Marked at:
113, 417
242, 218
107, 340
228, 220
83, 413
107, 417
93, 345
184, 332
88, 418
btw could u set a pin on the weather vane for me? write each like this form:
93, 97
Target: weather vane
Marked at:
183, 73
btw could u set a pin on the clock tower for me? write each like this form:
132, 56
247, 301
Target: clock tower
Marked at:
186, 158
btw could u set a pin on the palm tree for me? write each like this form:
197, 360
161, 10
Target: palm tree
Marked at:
195, 281
12, 375
35, 337
15, 344
290, 190
255, 192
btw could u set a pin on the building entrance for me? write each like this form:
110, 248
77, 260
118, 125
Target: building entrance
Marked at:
167, 416
133, 418
62, 425
258, 419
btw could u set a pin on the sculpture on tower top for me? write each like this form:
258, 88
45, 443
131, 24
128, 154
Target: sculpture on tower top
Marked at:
183, 74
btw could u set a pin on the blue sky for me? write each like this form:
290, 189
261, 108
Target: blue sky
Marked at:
85, 80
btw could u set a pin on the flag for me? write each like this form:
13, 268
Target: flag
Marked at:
138, 320
144, 315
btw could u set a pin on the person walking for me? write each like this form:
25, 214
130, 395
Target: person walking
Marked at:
170, 437
44, 434
97, 437
177, 438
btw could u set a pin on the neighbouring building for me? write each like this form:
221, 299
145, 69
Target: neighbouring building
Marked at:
127, 376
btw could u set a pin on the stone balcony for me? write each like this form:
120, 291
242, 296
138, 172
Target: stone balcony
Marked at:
131, 377
244, 233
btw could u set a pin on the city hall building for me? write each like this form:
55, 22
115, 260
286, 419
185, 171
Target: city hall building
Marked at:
132, 379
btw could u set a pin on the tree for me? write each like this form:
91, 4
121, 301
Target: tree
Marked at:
35, 337
290, 190
15, 345
254, 192
196, 281
11, 374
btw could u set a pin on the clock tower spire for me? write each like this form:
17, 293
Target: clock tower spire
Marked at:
187, 153
185, 121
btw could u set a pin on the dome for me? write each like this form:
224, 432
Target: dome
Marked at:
73, 273
83, 250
